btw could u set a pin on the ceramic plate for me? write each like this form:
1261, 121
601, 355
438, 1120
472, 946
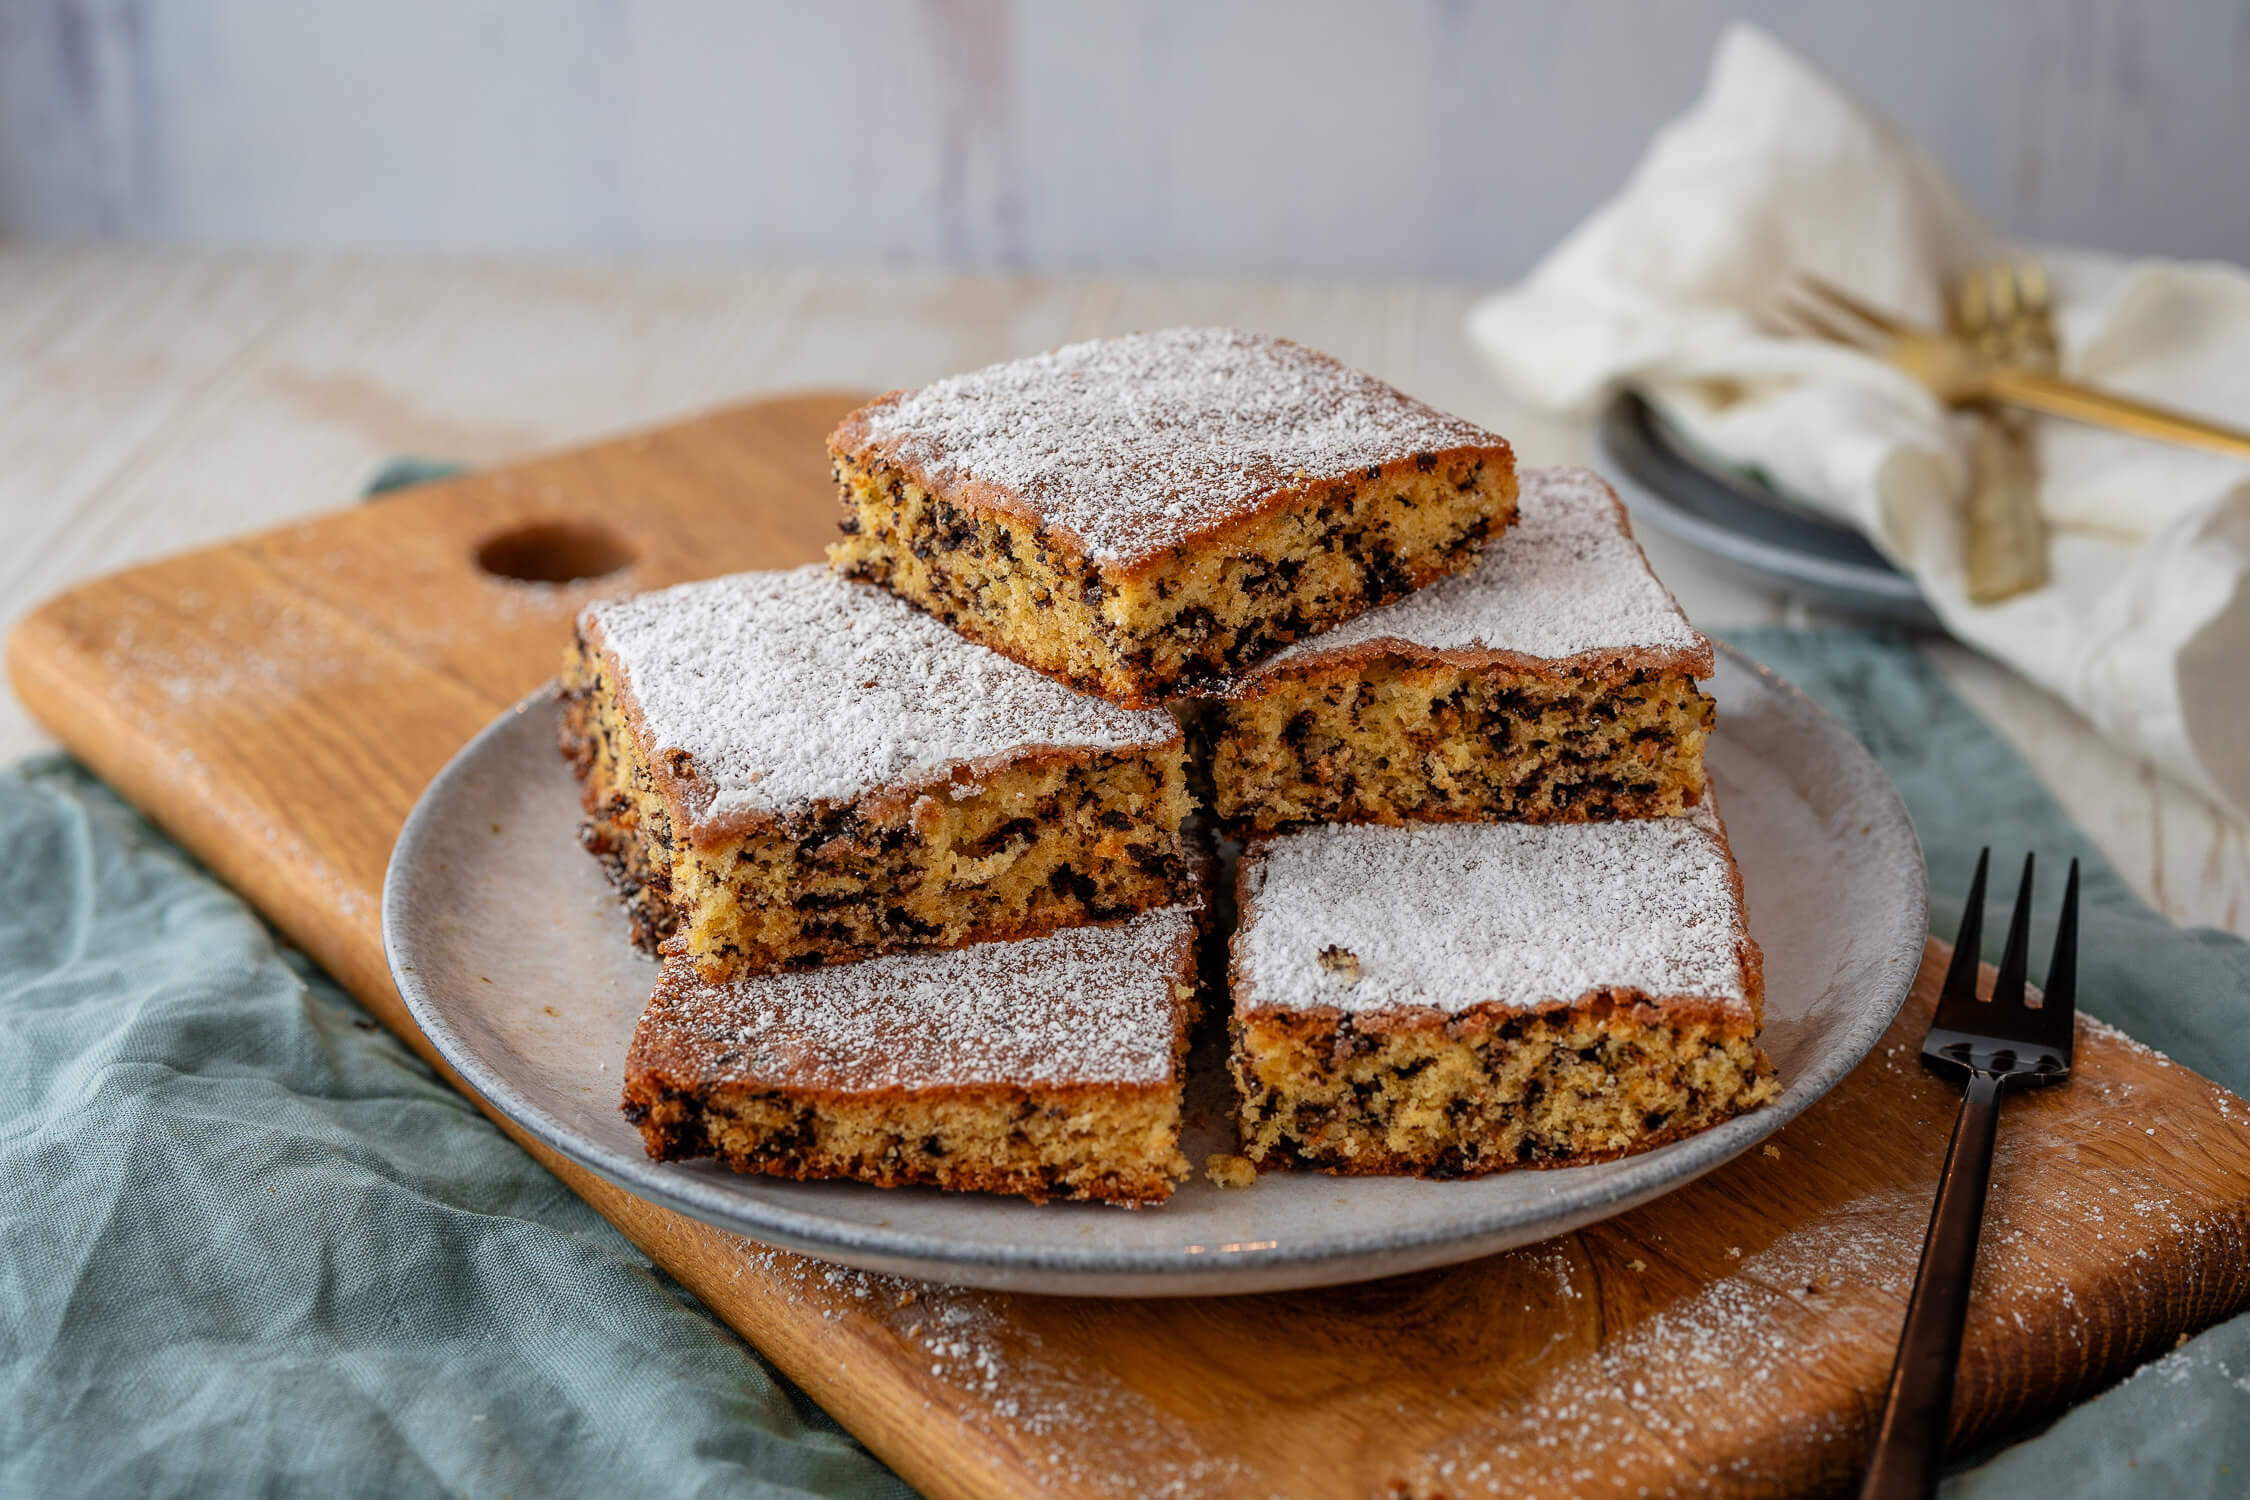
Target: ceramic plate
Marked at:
511, 953
1746, 526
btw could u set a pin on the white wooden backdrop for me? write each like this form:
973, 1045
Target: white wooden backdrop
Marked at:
1451, 138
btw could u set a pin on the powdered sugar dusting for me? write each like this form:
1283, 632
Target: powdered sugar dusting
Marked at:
1719, 1368
1567, 580
1071, 1423
1452, 915
1139, 443
1083, 1005
786, 689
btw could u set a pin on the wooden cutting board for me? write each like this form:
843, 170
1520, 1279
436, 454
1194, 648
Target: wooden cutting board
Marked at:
277, 703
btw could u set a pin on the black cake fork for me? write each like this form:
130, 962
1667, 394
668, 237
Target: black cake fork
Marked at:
2002, 1043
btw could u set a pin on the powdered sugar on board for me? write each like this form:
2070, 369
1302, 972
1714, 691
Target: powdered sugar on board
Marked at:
1068, 1423
1360, 918
787, 689
1567, 580
1137, 444
1083, 1005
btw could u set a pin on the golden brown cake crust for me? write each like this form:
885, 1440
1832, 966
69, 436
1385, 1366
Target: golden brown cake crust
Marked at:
1192, 497
1046, 1068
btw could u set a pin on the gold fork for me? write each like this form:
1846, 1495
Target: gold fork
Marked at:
1957, 372
2003, 314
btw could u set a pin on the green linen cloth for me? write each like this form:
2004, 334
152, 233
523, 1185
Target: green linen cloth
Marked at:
249, 1244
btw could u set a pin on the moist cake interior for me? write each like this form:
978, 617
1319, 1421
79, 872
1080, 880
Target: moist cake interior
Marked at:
1606, 1076
1396, 742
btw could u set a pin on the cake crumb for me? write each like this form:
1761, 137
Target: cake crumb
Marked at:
1229, 1171
1636, 1264
1772, 1151
1734, 1252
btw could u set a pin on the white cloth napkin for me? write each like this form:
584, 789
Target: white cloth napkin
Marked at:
2144, 626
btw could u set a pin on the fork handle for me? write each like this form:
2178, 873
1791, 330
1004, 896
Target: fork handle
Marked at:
2059, 396
1910, 1444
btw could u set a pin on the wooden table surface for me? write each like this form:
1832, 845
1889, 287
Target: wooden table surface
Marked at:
156, 400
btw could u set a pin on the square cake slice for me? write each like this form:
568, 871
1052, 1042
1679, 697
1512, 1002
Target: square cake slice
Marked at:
1137, 514
1050, 1067
1554, 680
784, 769
1451, 999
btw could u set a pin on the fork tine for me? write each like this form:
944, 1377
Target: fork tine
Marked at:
1836, 297
2007, 327
2006, 304
2007, 990
1974, 312
1807, 317
2059, 1007
1959, 991
2031, 286
2035, 327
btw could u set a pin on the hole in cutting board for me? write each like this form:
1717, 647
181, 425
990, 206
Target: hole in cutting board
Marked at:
553, 552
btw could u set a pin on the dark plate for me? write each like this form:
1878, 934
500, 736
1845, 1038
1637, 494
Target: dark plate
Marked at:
1743, 524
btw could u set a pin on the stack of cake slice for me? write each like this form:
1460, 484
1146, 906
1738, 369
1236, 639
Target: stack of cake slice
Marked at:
797, 782
1487, 913
918, 857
